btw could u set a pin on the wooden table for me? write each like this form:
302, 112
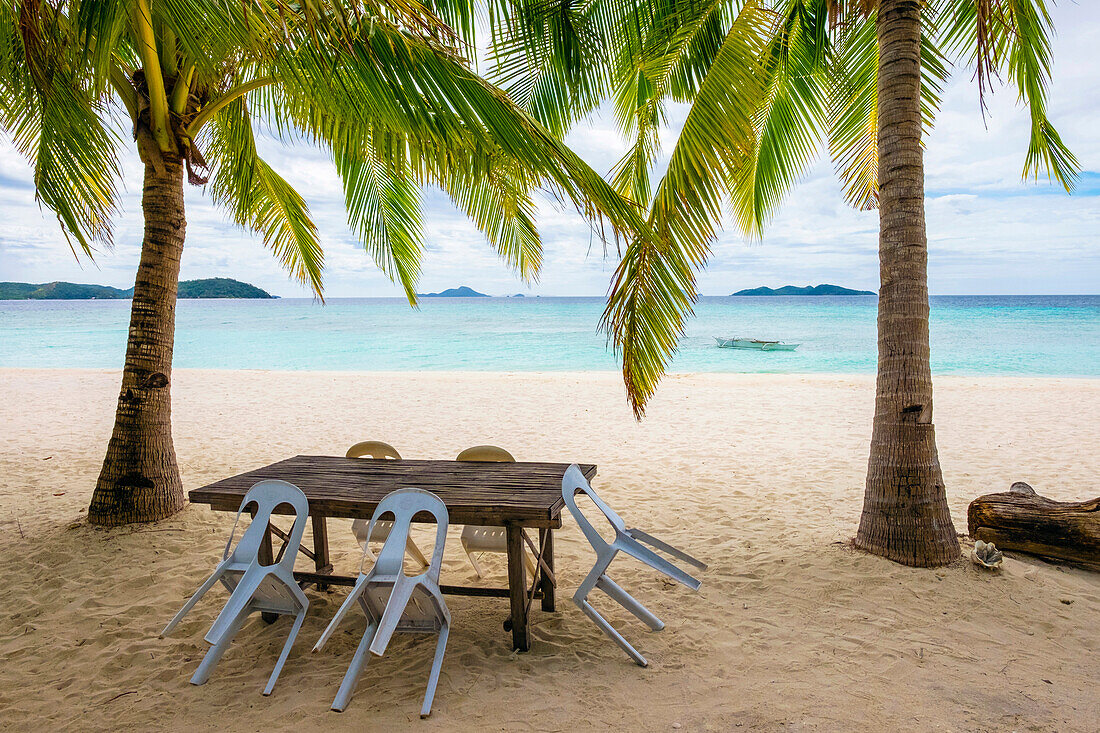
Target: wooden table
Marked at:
510, 495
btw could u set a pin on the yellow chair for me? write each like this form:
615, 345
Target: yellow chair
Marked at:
487, 539
377, 450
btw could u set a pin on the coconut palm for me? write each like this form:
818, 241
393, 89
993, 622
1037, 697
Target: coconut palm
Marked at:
769, 83
384, 86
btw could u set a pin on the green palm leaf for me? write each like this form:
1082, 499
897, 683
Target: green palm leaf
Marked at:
383, 205
653, 288
258, 198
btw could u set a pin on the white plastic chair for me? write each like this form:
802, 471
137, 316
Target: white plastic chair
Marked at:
394, 601
628, 541
475, 538
252, 586
378, 450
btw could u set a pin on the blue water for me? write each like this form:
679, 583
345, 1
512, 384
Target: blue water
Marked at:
1024, 335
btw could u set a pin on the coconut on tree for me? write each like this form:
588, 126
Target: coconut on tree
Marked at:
769, 83
385, 86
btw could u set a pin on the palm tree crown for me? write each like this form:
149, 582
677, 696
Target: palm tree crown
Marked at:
385, 87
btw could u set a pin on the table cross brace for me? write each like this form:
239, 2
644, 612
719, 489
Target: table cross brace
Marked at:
540, 563
285, 538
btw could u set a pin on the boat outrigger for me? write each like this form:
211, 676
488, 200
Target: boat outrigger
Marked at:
757, 344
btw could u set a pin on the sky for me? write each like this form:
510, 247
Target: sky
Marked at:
989, 232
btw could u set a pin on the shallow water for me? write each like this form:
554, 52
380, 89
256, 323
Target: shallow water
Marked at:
1005, 335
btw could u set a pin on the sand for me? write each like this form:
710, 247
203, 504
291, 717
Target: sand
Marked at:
761, 476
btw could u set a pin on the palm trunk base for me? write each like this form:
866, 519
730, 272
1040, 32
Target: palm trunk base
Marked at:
139, 481
905, 514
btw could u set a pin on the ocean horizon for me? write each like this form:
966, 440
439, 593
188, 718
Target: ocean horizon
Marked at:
1004, 335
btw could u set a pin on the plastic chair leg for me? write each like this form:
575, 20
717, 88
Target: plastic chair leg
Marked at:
437, 664
351, 677
286, 651
627, 601
615, 636
207, 585
206, 666
473, 560
665, 547
593, 577
356, 594
640, 552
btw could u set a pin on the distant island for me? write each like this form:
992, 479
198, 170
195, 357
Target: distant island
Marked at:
459, 292
808, 290
213, 287
219, 287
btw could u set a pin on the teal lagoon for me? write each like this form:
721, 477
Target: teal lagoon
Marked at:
973, 335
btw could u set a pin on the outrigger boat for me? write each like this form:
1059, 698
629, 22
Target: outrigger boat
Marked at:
759, 345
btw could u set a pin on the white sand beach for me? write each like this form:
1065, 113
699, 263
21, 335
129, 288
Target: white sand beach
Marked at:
761, 476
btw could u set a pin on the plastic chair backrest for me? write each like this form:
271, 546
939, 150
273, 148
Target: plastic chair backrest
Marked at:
267, 495
573, 482
404, 504
486, 453
372, 449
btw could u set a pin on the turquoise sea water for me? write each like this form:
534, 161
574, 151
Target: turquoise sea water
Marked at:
1021, 335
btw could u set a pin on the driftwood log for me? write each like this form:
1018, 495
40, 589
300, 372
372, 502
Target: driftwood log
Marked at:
1021, 520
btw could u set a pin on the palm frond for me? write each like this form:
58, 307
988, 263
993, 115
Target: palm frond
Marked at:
498, 201
551, 57
383, 205
666, 56
258, 198
54, 120
1029, 65
392, 84
1012, 37
653, 289
791, 118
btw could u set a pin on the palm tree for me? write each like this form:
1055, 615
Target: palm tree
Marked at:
768, 82
384, 86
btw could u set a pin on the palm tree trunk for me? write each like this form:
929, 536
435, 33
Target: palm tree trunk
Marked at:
905, 513
139, 481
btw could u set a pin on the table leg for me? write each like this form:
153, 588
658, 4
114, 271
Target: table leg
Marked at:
320, 547
267, 557
517, 589
546, 583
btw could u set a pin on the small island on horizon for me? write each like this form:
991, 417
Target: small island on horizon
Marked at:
823, 289
213, 287
461, 291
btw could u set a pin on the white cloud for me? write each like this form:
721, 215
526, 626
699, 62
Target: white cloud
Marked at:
988, 231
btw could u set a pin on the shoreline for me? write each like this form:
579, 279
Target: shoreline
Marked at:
474, 373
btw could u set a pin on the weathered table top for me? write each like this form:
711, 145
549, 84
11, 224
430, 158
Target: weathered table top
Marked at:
475, 492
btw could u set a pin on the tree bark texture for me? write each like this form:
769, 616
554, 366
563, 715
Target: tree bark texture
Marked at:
905, 514
140, 481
